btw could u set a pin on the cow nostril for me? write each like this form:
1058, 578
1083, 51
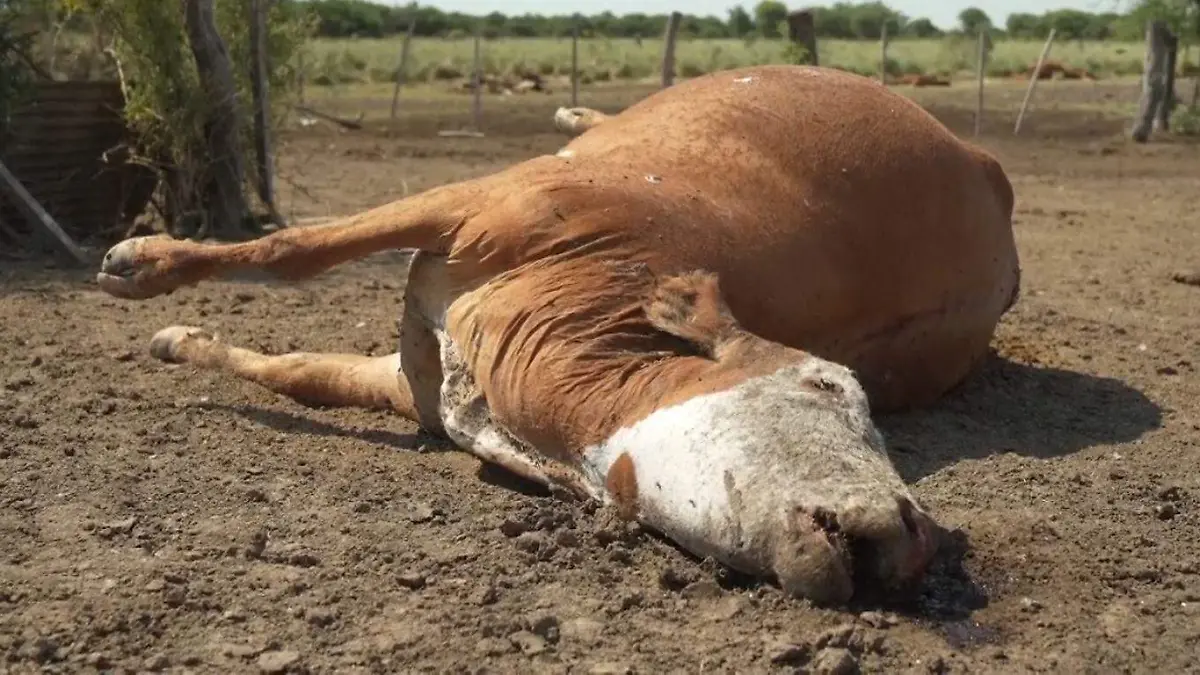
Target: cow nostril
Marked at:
908, 515
826, 520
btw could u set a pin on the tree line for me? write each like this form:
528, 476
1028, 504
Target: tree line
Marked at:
842, 20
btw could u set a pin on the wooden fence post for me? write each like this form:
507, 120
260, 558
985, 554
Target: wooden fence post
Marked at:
883, 49
1033, 80
300, 77
1154, 80
1162, 121
402, 68
260, 93
575, 63
668, 60
802, 29
477, 69
980, 73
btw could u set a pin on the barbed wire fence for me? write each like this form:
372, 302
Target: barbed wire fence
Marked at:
496, 66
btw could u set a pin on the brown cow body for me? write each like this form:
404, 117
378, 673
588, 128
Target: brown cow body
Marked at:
674, 314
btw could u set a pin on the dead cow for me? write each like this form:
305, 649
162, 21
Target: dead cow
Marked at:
684, 315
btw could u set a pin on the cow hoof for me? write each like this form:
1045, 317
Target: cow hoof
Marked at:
166, 345
129, 271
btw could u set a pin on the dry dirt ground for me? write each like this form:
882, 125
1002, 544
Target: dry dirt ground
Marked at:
155, 518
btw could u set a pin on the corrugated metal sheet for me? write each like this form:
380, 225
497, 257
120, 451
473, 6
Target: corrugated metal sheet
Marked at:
56, 147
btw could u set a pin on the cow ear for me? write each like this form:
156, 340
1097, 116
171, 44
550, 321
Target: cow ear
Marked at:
690, 307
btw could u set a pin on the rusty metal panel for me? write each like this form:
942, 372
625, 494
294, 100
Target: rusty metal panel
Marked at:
55, 147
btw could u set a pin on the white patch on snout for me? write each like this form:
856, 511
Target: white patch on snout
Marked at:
717, 472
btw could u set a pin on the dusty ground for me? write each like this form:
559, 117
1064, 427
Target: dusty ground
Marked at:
156, 518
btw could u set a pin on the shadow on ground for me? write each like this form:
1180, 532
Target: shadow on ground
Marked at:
1039, 412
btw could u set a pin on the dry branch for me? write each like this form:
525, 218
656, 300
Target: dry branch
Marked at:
1033, 80
340, 121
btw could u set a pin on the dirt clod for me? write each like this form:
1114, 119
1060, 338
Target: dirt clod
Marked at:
789, 654
411, 580
528, 643
273, 662
1166, 511
834, 661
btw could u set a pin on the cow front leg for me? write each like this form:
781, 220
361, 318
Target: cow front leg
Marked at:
145, 267
334, 380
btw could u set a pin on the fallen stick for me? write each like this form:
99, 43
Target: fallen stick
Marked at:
341, 121
460, 133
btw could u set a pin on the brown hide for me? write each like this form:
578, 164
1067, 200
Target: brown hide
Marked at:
840, 219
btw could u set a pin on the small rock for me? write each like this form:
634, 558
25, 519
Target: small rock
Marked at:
726, 609
258, 544
123, 357
530, 542
672, 579
411, 580
236, 650
567, 539
123, 526
788, 654
487, 596
877, 619
705, 589
1171, 493
546, 626
513, 528
1186, 278
837, 637
322, 617
528, 643
421, 513
608, 668
1165, 511
494, 647
1030, 606
157, 662
834, 661
631, 600
97, 661
582, 630
304, 559
277, 661
174, 596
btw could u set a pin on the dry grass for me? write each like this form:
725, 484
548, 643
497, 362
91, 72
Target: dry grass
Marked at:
601, 59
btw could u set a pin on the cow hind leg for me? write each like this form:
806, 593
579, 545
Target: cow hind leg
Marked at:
334, 380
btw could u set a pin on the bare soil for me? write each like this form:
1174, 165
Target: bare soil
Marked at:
156, 518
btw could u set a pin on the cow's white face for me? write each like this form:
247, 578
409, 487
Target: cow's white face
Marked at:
781, 474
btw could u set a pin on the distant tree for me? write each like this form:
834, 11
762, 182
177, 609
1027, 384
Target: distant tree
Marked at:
1021, 25
741, 23
972, 20
868, 20
921, 28
768, 15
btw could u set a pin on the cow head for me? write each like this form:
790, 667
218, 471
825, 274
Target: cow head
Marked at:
768, 462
